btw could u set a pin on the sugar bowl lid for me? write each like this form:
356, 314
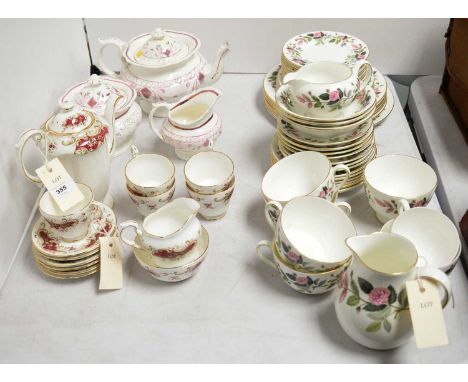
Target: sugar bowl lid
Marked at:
94, 93
161, 48
71, 119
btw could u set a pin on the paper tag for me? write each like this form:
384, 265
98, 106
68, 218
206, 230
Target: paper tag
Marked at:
60, 184
426, 313
111, 263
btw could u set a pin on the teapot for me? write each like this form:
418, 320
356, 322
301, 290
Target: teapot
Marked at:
169, 233
163, 65
84, 142
371, 300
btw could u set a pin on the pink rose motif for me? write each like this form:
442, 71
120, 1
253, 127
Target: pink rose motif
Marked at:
379, 296
334, 95
92, 102
167, 52
294, 257
318, 34
343, 284
301, 280
145, 92
419, 203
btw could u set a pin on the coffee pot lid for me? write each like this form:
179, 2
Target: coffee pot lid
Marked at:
71, 119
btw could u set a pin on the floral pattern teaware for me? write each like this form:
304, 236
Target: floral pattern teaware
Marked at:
322, 46
191, 126
173, 271
371, 302
72, 224
103, 223
212, 206
310, 233
163, 65
84, 142
302, 281
170, 232
324, 87
147, 204
391, 180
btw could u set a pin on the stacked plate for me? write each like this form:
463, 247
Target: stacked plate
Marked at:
71, 260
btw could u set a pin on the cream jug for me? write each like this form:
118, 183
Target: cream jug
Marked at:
84, 142
371, 301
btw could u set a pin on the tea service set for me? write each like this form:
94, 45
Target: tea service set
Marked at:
327, 98
316, 248
97, 120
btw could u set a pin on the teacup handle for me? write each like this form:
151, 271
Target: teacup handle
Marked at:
155, 129
345, 207
267, 259
272, 211
365, 81
26, 136
123, 226
441, 278
402, 206
341, 167
134, 150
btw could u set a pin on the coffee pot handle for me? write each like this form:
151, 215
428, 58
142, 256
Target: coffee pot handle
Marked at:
267, 259
272, 212
109, 41
341, 167
440, 278
26, 136
123, 226
369, 74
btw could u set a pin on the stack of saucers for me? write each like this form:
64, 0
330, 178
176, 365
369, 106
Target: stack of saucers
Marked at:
66, 245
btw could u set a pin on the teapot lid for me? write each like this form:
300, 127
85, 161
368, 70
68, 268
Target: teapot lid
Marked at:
71, 119
161, 48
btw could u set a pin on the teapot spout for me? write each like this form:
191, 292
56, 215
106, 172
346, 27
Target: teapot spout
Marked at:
211, 73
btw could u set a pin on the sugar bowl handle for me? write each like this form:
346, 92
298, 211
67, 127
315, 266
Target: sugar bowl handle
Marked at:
267, 259
272, 212
37, 135
127, 224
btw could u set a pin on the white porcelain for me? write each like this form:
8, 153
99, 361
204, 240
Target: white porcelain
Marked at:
164, 65
148, 204
322, 87
213, 206
125, 128
300, 280
371, 301
391, 179
191, 126
176, 269
84, 142
209, 172
433, 234
72, 224
170, 232
299, 174
380, 117
149, 174
310, 232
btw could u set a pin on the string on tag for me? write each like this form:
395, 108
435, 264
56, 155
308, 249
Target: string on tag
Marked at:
422, 289
46, 156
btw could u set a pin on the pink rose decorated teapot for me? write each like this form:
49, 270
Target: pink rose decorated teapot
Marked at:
163, 65
84, 142
371, 301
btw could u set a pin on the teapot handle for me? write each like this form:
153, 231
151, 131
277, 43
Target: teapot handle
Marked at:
109, 41
26, 136
267, 259
369, 74
272, 212
123, 226
155, 128
439, 277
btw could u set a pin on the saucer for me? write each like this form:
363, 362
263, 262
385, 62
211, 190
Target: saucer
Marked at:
269, 84
362, 104
379, 118
102, 224
379, 85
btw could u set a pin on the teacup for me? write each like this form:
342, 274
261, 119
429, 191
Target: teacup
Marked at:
300, 174
302, 281
148, 204
213, 206
324, 87
209, 172
389, 180
70, 225
149, 174
311, 232
433, 234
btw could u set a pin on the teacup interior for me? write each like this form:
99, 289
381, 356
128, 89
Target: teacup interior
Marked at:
296, 175
149, 170
324, 72
317, 228
209, 168
400, 176
48, 205
432, 233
